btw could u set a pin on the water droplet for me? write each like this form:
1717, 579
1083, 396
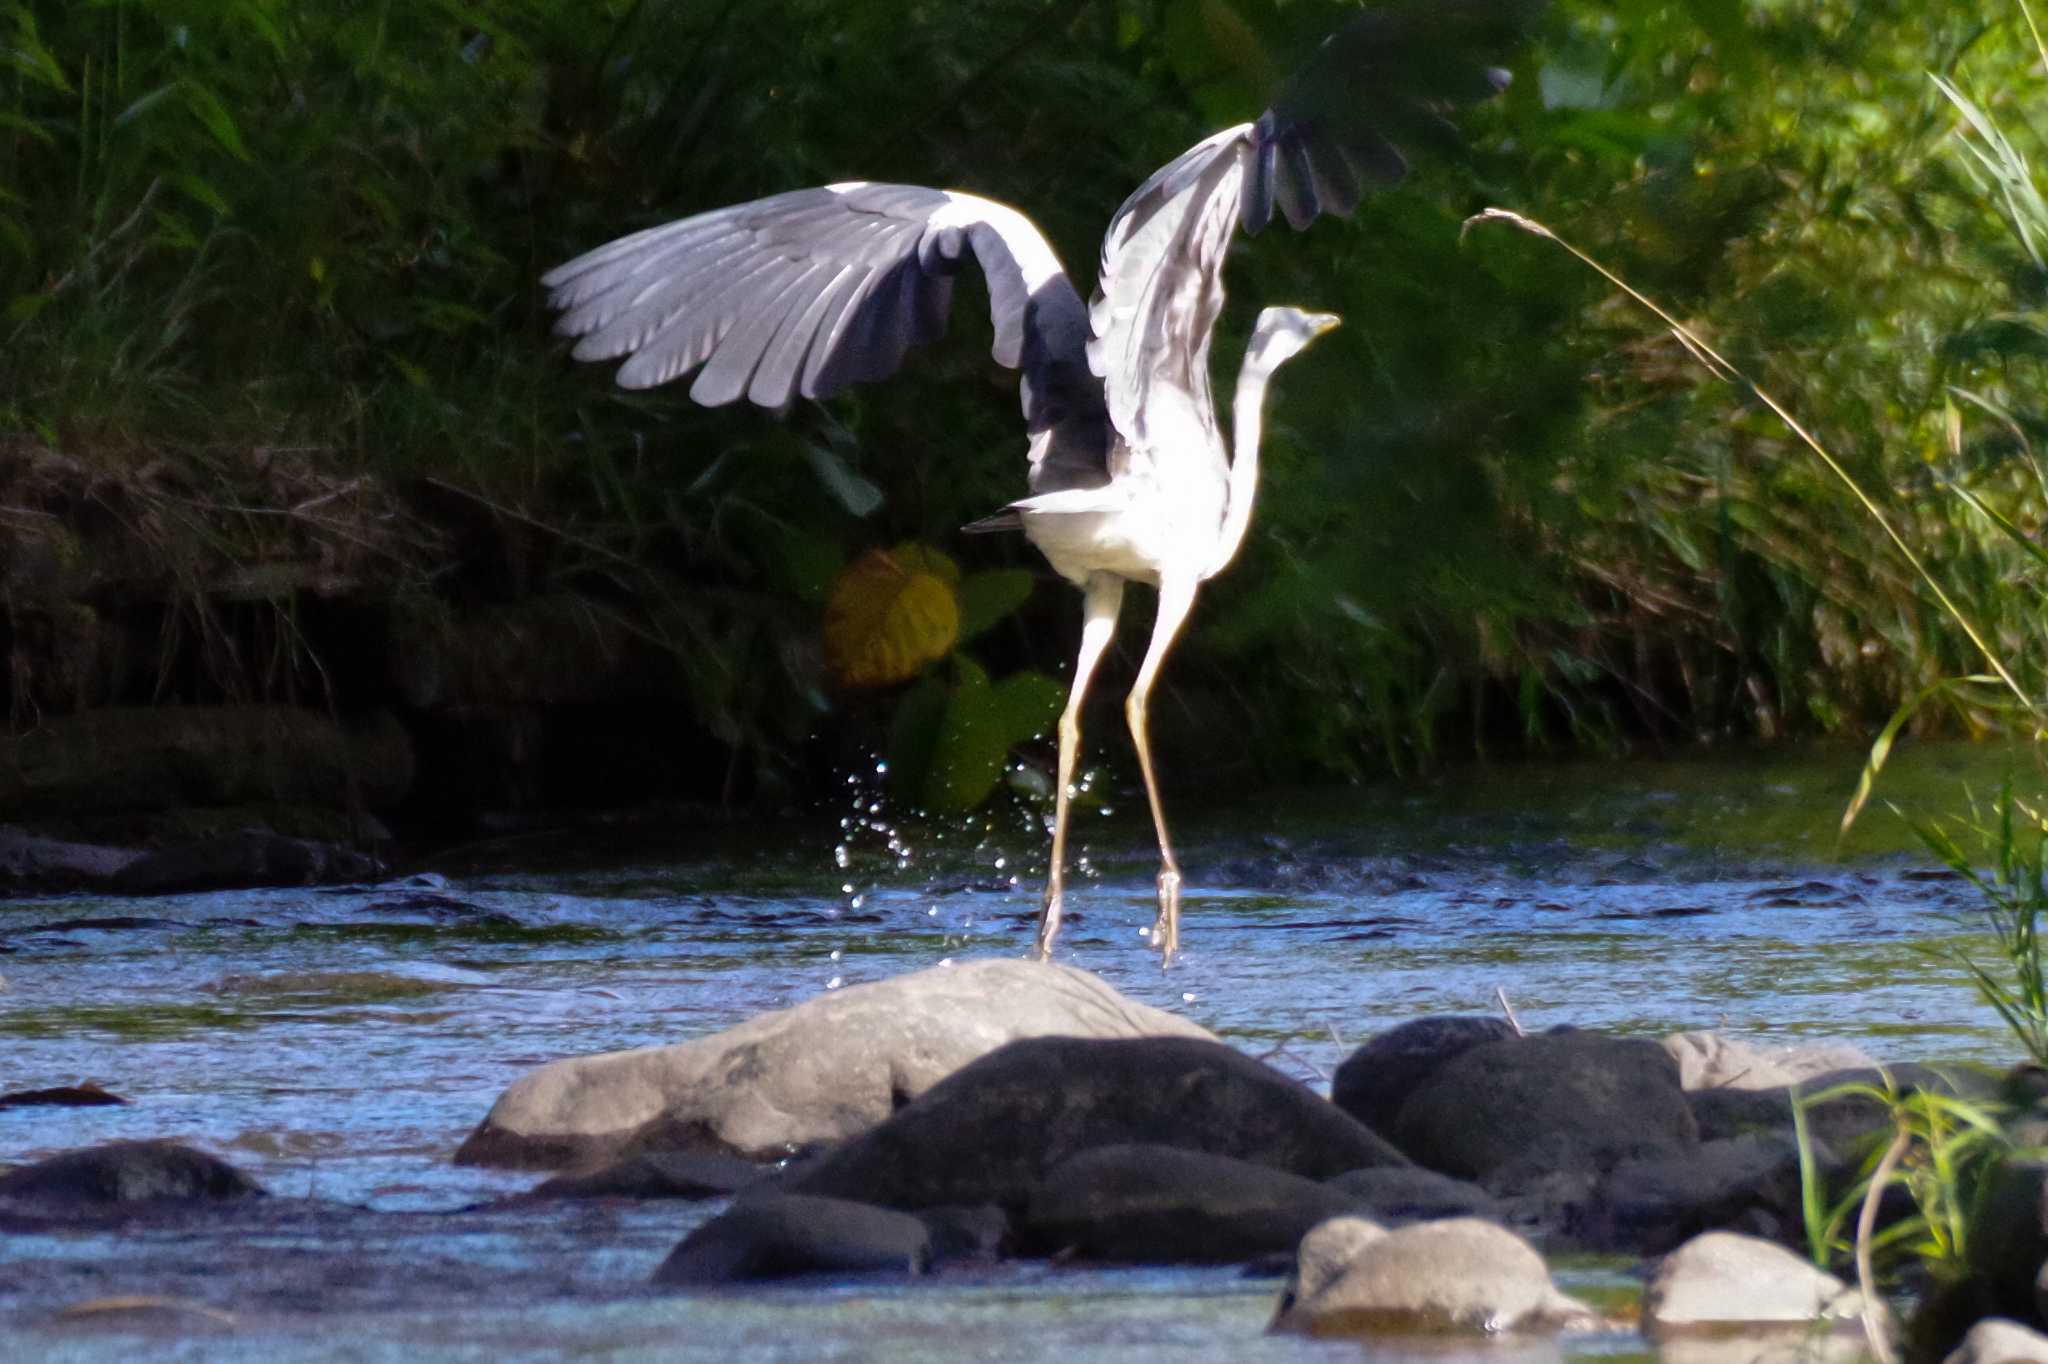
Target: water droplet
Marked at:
1188, 996
945, 961
858, 900
842, 856
1002, 862
835, 982
846, 887
882, 769
933, 912
838, 952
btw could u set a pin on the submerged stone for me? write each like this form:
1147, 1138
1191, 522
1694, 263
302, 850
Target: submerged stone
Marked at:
126, 1172
780, 1235
658, 1174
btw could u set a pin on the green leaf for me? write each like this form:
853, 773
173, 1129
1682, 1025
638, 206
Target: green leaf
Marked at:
967, 760
25, 306
144, 103
914, 735
215, 116
201, 192
1027, 704
987, 597
854, 493
806, 565
26, 127
891, 613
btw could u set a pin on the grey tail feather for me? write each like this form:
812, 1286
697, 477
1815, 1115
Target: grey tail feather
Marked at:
1007, 519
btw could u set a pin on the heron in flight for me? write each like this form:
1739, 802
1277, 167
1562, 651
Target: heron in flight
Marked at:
801, 294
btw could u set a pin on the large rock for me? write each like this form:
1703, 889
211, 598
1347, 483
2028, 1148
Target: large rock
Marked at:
1997, 1341
2008, 1241
1164, 1205
778, 1235
31, 864
1507, 1112
1394, 1194
1721, 1280
991, 1132
122, 1172
249, 858
822, 1072
1651, 1205
1845, 1122
1458, 1275
1374, 1081
1712, 1060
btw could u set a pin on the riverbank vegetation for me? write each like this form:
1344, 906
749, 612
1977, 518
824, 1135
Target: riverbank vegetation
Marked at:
267, 287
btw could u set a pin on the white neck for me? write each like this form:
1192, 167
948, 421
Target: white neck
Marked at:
1247, 414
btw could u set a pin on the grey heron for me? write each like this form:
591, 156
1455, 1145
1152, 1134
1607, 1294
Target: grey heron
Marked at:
803, 293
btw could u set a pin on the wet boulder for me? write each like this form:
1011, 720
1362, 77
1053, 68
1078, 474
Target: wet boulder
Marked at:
1845, 1125
87, 1095
242, 860
32, 864
1721, 1280
1375, 1081
1652, 1204
1395, 1194
992, 1132
1459, 1275
824, 1071
657, 1174
1152, 1204
1997, 1341
2008, 1243
776, 1236
1506, 1112
980, 1232
96, 1178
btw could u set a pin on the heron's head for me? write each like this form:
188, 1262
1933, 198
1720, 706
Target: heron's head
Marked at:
1281, 333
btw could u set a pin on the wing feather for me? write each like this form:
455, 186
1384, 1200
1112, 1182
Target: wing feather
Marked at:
802, 293
1326, 138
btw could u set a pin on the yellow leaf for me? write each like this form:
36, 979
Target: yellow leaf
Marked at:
891, 613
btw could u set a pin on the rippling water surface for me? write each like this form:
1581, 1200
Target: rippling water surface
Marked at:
339, 1042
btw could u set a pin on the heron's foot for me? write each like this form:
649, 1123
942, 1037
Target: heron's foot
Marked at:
1166, 929
1048, 921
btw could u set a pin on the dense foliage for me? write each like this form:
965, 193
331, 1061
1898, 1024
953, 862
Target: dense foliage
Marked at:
1503, 506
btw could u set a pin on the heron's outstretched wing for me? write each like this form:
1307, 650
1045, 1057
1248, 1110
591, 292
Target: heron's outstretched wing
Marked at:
1333, 130
806, 292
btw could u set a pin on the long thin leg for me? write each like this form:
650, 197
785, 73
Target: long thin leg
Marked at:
1098, 626
1176, 598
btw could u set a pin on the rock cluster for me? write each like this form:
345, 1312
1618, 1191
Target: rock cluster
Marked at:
1002, 1108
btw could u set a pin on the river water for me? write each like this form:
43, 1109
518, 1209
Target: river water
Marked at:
338, 1043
